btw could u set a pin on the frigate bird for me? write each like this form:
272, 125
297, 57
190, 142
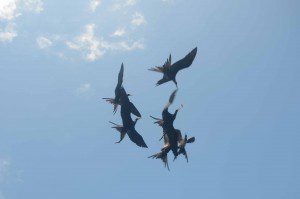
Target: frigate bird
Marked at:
116, 101
163, 154
128, 124
167, 125
182, 143
121, 130
170, 70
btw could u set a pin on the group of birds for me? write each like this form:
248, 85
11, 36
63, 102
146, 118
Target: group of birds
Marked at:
173, 139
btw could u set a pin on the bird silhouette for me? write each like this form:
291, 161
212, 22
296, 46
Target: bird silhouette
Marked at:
170, 70
116, 101
182, 143
121, 130
128, 124
167, 125
163, 154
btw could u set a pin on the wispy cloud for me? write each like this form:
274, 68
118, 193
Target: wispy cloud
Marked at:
8, 9
4, 173
4, 169
93, 47
84, 88
12, 9
126, 46
138, 19
85, 91
119, 32
43, 42
36, 6
8, 33
123, 4
94, 4
130, 2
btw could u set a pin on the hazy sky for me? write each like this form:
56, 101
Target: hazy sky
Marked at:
241, 98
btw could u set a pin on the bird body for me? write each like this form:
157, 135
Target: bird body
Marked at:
170, 70
163, 154
182, 143
128, 123
116, 101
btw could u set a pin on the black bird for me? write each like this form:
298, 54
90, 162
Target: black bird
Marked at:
116, 101
121, 130
163, 154
182, 142
128, 124
170, 70
167, 125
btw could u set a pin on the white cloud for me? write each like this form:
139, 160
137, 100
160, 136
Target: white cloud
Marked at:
119, 32
123, 4
91, 46
125, 46
8, 9
85, 91
94, 4
84, 88
43, 42
4, 173
138, 19
8, 34
4, 169
131, 2
36, 6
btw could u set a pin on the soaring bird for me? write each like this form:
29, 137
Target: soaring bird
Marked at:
170, 70
128, 124
163, 154
116, 101
182, 142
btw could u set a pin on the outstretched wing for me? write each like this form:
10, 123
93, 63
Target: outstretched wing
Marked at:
185, 62
162, 69
136, 138
120, 76
158, 120
134, 110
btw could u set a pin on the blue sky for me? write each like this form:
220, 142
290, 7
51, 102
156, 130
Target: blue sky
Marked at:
240, 98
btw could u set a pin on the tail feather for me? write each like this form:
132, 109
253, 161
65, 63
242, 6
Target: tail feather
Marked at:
163, 156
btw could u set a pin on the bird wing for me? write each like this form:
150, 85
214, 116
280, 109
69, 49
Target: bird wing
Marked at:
171, 99
120, 76
158, 69
134, 110
118, 127
158, 120
136, 138
185, 62
165, 67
